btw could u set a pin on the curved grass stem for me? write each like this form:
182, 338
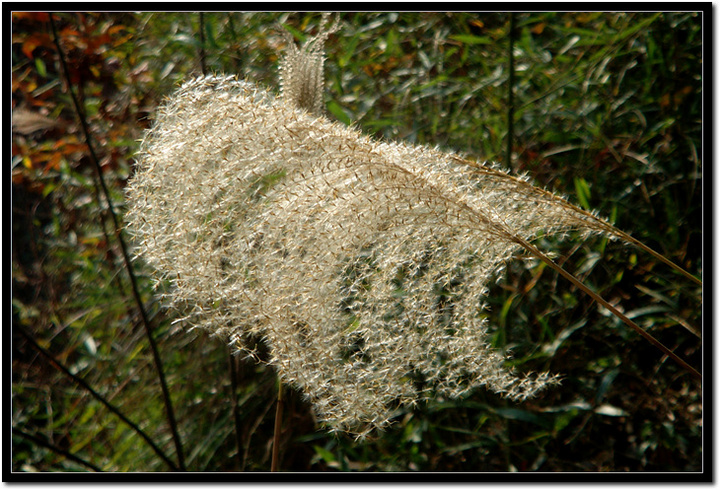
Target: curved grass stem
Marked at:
658, 256
580, 285
601, 225
275, 464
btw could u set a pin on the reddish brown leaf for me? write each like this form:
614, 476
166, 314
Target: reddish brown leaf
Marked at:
54, 162
34, 41
112, 30
538, 28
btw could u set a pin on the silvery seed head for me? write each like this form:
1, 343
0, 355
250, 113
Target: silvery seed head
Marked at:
362, 265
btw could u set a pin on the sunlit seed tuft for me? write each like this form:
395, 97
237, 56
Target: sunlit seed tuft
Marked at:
361, 264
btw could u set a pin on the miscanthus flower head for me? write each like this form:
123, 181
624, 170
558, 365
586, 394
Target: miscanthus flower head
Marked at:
361, 264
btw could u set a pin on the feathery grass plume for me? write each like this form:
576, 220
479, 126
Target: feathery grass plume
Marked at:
361, 264
301, 70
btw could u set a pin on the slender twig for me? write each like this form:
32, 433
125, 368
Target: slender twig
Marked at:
57, 364
231, 25
106, 233
203, 65
123, 247
42, 442
275, 464
511, 90
237, 59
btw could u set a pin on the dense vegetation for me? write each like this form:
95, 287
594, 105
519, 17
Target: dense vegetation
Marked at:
606, 110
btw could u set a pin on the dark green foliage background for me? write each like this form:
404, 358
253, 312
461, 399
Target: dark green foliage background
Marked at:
607, 111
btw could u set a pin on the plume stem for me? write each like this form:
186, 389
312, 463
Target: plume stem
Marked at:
580, 285
607, 227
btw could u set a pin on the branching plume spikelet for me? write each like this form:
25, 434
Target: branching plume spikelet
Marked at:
301, 70
361, 264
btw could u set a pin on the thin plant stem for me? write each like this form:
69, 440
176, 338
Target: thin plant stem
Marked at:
232, 363
57, 364
123, 247
658, 256
275, 464
511, 91
601, 224
580, 285
42, 442
237, 59
502, 232
203, 64
251, 431
231, 26
108, 240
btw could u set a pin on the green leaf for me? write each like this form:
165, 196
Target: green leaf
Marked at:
210, 34
326, 455
470, 39
348, 52
582, 189
523, 415
563, 419
647, 310
605, 384
552, 347
299, 35
338, 112
40, 67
